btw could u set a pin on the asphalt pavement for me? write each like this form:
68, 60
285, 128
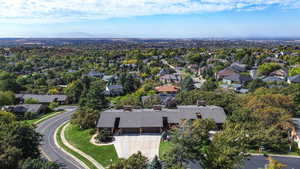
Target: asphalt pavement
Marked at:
49, 150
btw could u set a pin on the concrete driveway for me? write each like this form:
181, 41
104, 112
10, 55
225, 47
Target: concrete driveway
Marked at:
126, 145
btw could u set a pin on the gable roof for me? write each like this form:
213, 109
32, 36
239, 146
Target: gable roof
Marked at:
226, 72
167, 88
295, 79
279, 72
115, 87
137, 118
238, 67
273, 79
42, 98
22, 108
238, 78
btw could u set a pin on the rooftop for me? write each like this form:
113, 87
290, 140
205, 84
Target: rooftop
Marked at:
137, 118
167, 88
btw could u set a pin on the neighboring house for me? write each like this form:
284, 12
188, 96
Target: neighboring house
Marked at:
294, 79
42, 99
283, 73
235, 87
24, 108
114, 90
170, 78
94, 73
109, 78
225, 72
164, 98
274, 59
238, 67
162, 72
155, 120
273, 79
236, 78
170, 89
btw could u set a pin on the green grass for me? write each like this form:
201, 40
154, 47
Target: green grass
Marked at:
164, 147
42, 118
105, 155
81, 158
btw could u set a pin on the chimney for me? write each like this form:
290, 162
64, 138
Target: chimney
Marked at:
156, 107
201, 103
127, 108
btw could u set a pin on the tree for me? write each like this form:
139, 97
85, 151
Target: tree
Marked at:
31, 101
155, 164
209, 85
18, 141
255, 84
294, 71
129, 83
39, 164
7, 117
135, 161
85, 118
192, 142
7, 98
8, 82
267, 68
73, 91
104, 136
95, 98
187, 84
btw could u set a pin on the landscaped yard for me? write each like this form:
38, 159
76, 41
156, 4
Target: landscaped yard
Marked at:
105, 155
164, 146
77, 155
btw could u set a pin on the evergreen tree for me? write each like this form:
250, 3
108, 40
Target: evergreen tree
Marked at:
155, 164
187, 84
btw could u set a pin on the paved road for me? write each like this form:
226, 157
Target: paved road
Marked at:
47, 129
256, 162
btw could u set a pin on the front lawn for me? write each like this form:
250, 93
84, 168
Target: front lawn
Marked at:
105, 155
77, 155
164, 147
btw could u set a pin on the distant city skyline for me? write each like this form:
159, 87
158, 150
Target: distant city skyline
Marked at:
150, 18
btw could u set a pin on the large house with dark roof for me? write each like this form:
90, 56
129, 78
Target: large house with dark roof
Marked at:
42, 99
237, 78
23, 108
138, 121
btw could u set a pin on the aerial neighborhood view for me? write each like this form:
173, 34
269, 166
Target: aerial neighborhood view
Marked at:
150, 84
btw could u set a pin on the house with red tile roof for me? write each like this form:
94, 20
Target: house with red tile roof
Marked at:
167, 89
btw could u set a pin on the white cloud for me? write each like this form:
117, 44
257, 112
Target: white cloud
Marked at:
70, 10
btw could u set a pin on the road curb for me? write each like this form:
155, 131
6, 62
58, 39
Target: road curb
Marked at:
275, 155
66, 152
66, 143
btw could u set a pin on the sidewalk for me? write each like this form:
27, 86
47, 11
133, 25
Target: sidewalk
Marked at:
275, 155
66, 143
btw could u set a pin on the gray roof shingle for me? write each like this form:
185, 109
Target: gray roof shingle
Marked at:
42, 98
153, 118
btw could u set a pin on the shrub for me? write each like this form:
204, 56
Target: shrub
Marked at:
104, 137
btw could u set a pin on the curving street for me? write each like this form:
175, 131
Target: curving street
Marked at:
49, 150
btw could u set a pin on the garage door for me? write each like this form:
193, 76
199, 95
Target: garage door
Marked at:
151, 130
131, 130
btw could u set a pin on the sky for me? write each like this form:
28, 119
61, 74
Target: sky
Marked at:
150, 18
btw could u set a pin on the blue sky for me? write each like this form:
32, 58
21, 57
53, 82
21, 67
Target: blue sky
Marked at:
150, 18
